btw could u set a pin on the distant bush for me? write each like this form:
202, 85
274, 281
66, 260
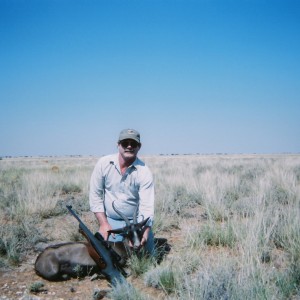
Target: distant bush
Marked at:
10, 185
70, 188
80, 204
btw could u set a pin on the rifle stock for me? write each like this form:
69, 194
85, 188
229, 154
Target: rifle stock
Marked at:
106, 258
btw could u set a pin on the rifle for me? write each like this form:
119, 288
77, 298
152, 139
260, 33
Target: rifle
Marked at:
112, 270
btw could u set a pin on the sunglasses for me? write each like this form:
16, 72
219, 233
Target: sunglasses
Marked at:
133, 144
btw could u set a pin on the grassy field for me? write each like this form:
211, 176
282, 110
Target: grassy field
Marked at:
233, 221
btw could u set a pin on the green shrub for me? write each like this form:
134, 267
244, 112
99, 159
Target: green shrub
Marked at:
288, 281
17, 238
164, 223
126, 291
243, 207
286, 233
36, 287
140, 264
166, 278
3, 249
10, 185
216, 285
167, 281
214, 234
297, 173
217, 212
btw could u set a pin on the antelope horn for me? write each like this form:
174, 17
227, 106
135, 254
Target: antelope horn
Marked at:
121, 214
124, 230
118, 231
143, 223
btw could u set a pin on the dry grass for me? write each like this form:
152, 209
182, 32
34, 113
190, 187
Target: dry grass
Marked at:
233, 221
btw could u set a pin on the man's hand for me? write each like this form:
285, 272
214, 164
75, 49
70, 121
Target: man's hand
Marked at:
104, 225
103, 231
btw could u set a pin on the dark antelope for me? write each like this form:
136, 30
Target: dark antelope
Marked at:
133, 231
76, 259
66, 260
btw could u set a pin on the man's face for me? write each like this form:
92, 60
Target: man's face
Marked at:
129, 148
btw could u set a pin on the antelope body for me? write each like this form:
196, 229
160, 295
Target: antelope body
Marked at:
65, 260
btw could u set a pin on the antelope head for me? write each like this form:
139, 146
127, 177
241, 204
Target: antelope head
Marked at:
133, 230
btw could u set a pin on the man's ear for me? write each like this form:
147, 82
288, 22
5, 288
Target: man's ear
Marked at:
140, 146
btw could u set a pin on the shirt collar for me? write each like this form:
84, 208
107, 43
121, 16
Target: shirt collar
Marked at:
115, 161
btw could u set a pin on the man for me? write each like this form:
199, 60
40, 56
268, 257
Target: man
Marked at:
125, 179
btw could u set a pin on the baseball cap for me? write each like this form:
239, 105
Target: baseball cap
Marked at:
129, 134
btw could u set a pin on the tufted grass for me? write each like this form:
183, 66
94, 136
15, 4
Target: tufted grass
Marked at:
233, 221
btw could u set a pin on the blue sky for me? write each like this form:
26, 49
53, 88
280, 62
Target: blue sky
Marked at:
206, 76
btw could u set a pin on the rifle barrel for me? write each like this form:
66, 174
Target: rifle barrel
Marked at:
110, 271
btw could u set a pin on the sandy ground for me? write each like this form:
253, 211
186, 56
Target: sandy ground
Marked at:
15, 282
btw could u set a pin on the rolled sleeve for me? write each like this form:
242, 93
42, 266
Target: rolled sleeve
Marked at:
146, 195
